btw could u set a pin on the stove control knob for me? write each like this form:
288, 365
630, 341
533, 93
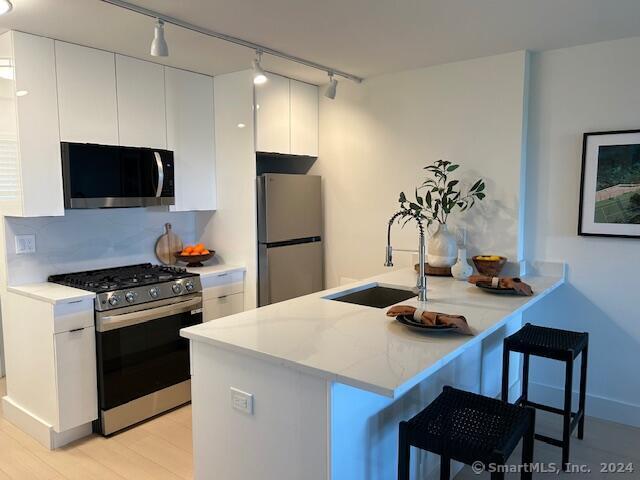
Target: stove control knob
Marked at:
130, 296
113, 301
176, 288
189, 286
154, 292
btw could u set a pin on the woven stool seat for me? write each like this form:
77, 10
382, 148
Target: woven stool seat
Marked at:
468, 427
547, 342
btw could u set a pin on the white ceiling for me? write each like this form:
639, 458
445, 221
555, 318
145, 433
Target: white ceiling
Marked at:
364, 37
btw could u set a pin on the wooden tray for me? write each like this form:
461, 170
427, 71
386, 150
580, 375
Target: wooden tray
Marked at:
435, 271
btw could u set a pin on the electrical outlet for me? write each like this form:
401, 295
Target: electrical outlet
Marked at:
25, 244
242, 401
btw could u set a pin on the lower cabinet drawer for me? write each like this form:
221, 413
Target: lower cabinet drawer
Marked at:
76, 383
223, 306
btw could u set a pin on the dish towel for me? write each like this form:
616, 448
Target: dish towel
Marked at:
514, 283
431, 318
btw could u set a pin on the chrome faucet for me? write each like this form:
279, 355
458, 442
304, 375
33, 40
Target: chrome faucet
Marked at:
422, 277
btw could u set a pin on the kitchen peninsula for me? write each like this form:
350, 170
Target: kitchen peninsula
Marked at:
313, 388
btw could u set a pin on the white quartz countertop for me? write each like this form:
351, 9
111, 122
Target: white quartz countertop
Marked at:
51, 292
361, 346
214, 270
55, 293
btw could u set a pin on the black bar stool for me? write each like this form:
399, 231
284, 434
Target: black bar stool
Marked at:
469, 428
562, 345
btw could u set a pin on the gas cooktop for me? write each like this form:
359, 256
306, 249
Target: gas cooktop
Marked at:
134, 284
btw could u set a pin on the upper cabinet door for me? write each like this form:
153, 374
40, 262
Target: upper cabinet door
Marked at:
86, 94
273, 116
190, 134
304, 119
141, 104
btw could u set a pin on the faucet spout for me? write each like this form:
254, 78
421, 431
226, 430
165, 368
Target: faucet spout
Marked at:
422, 277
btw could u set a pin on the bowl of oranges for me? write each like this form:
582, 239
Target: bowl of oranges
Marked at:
194, 255
490, 265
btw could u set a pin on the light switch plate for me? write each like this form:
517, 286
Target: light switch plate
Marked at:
242, 401
25, 244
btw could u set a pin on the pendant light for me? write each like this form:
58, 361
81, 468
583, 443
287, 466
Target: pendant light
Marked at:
159, 47
259, 75
330, 92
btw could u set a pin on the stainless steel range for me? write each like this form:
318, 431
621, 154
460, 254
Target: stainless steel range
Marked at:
142, 362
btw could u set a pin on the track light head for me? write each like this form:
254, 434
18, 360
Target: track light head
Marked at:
5, 6
159, 47
259, 75
330, 92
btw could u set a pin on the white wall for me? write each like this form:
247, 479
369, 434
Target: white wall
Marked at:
576, 90
90, 239
231, 229
375, 138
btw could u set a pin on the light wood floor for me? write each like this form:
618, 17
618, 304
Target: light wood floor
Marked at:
161, 449
158, 449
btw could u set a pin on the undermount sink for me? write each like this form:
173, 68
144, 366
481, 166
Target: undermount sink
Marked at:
376, 295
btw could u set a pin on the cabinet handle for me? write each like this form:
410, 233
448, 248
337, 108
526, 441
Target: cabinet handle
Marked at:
76, 330
222, 275
223, 297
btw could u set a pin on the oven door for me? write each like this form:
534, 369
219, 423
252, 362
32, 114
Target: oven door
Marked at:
140, 353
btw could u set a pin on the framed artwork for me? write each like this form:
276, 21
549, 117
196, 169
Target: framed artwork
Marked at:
610, 185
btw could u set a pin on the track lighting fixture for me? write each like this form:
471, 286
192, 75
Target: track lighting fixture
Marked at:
159, 47
259, 76
330, 92
5, 6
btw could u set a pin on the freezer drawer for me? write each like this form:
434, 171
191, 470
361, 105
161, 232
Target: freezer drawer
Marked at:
289, 207
290, 271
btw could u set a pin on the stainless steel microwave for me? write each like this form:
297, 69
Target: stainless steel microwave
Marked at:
108, 176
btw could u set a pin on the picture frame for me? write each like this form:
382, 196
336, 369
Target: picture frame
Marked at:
610, 184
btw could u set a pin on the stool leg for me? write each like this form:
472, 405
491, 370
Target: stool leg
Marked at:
527, 447
445, 468
566, 427
505, 373
583, 390
525, 377
404, 453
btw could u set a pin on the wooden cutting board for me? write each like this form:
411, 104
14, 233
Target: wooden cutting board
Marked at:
167, 245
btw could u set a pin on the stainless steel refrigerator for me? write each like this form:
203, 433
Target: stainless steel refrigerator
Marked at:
290, 250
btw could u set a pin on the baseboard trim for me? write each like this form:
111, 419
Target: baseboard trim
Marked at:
598, 407
39, 429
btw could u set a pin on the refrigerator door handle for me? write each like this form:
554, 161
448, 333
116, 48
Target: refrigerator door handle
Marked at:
264, 292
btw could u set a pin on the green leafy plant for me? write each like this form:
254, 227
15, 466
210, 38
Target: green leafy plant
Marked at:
440, 195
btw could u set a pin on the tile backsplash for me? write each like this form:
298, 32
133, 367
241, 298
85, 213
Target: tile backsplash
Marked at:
90, 239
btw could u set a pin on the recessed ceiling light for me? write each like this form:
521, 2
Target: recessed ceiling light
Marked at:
241, 125
5, 6
21, 93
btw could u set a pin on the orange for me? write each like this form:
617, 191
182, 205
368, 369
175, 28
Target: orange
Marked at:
188, 249
205, 252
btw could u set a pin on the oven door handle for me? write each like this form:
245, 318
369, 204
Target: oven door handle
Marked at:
113, 322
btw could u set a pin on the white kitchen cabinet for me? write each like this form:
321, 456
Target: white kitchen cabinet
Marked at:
223, 306
86, 94
304, 119
190, 135
222, 293
51, 367
273, 119
286, 117
75, 355
30, 173
141, 103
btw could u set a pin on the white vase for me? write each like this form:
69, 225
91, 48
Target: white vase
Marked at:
442, 249
462, 270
